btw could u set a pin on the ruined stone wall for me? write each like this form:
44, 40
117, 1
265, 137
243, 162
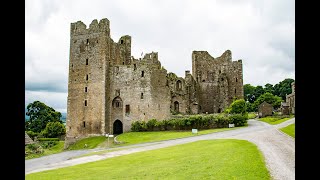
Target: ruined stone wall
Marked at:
87, 80
220, 80
142, 87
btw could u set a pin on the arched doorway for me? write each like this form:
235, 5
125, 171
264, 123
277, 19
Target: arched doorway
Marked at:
117, 127
176, 106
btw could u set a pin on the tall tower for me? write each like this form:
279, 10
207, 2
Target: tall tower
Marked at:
88, 80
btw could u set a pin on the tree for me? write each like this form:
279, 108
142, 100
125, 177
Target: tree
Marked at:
268, 88
248, 91
238, 107
269, 98
53, 130
40, 114
258, 91
283, 88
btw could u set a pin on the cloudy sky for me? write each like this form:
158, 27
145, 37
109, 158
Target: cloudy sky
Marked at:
260, 32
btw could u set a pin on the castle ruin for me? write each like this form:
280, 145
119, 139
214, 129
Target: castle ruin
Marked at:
108, 88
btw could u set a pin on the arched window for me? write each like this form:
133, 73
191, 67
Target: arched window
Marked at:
178, 85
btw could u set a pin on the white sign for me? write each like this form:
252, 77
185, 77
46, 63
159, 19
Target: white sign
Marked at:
194, 131
111, 135
107, 135
231, 125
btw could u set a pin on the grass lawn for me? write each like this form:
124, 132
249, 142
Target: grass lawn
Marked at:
91, 142
252, 115
55, 149
290, 130
275, 120
143, 137
208, 159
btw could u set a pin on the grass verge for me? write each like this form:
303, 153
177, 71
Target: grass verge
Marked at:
88, 143
290, 130
275, 120
153, 136
218, 159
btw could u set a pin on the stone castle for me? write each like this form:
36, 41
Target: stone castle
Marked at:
108, 88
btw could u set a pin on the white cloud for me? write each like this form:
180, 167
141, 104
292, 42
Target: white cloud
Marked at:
261, 33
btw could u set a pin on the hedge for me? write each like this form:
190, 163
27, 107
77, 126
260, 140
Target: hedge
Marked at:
48, 139
190, 122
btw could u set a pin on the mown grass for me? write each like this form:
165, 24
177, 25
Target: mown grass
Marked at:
290, 130
88, 143
252, 115
207, 159
275, 120
143, 137
53, 150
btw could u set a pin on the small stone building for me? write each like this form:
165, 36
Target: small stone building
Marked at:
284, 108
265, 109
28, 140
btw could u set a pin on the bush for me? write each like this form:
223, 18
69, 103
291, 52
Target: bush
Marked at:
239, 119
54, 129
48, 144
238, 107
33, 149
151, 124
48, 139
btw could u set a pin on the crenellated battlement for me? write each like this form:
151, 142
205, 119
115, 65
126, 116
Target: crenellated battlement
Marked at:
79, 28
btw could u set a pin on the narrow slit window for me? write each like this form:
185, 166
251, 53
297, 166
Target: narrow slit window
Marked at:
127, 109
141, 96
134, 67
235, 91
85, 103
84, 124
87, 41
87, 61
236, 79
87, 77
142, 73
86, 89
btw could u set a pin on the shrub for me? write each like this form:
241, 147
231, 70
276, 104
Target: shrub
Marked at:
48, 139
239, 119
135, 126
34, 148
151, 124
54, 129
48, 144
238, 106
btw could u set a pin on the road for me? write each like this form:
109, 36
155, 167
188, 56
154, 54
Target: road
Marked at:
277, 148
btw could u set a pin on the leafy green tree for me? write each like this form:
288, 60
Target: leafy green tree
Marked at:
268, 88
258, 91
40, 114
248, 91
250, 107
283, 88
275, 101
238, 107
53, 130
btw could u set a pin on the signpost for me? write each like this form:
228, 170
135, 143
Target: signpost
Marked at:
194, 131
109, 135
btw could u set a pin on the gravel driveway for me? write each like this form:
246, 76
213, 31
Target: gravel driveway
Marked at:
277, 148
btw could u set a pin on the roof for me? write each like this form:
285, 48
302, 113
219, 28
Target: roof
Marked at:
28, 140
264, 104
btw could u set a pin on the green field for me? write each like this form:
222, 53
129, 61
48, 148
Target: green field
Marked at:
290, 130
143, 137
275, 120
88, 143
209, 159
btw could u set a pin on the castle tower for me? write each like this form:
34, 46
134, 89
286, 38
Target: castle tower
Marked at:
220, 80
88, 80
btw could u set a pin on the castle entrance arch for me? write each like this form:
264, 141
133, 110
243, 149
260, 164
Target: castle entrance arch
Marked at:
117, 127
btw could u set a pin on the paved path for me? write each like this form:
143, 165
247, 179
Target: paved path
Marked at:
277, 148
